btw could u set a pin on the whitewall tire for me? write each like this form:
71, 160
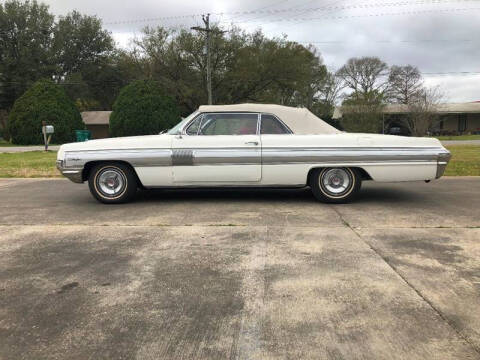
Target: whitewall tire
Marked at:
335, 185
112, 183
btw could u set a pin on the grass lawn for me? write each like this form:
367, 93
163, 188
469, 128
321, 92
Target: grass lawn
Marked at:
459, 137
4, 143
465, 162
28, 164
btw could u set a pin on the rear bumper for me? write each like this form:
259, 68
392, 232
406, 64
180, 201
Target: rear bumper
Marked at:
73, 174
442, 162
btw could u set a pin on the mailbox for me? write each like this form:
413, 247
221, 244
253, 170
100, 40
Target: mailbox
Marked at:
48, 129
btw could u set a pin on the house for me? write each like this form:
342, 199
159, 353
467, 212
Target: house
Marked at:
454, 118
97, 122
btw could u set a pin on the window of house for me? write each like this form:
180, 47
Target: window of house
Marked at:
462, 122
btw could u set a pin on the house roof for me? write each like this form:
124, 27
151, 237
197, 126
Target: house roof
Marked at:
451, 108
299, 120
96, 117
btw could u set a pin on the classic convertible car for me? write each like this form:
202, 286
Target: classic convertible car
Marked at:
250, 145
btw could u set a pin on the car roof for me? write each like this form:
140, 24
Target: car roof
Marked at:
300, 120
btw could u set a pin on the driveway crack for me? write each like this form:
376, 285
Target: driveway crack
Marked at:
418, 292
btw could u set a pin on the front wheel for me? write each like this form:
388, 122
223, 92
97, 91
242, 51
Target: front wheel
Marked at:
112, 183
335, 185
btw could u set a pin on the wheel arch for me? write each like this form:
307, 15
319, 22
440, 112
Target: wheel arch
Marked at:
364, 175
91, 164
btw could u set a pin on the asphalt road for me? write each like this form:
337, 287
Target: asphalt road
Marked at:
268, 274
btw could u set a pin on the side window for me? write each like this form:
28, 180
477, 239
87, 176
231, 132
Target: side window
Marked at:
194, 126
229, 124
270, 126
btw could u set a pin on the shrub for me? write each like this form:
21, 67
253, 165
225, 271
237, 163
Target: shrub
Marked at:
44, 101
142, 108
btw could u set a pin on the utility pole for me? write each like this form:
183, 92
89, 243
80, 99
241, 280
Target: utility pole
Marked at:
207, 30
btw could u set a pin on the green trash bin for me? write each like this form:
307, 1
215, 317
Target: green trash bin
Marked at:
83, 135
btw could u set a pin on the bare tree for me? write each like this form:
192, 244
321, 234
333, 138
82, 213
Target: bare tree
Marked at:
423, 110
405, 84
366, 75
330, 89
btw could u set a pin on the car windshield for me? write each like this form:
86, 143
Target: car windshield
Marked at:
176, 129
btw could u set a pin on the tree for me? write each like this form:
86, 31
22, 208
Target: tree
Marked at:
406, 87
142, 108
423, 111
405, 84
362, 114
364, 76
326, 98
83, 54
44, 101
245, 67
3, 125
80, 41
367, 80
25, 47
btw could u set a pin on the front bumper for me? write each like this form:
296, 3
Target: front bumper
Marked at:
442, 161
73, 174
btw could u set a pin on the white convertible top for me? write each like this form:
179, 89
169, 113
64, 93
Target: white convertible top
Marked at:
299, 120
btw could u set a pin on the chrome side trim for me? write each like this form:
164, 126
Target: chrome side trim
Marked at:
182, 157
246, 156
135, 157
256, 156
295, 156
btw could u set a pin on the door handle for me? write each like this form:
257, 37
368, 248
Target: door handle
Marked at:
251, 143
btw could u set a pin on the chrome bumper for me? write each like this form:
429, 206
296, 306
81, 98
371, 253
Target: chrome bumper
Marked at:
73, 174
442, 161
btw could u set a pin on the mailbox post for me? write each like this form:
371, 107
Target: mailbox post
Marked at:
47, 131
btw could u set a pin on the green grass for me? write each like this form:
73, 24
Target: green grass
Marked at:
465, 160
459, 137
4, 143
28, 164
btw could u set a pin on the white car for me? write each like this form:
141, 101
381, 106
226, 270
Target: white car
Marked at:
250, 145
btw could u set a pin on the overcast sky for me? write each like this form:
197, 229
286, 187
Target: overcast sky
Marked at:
437, 36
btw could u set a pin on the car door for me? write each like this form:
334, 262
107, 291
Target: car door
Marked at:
218, 148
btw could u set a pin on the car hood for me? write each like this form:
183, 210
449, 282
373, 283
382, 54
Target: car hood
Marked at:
130, 142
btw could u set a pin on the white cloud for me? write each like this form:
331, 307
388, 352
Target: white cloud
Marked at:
358, 36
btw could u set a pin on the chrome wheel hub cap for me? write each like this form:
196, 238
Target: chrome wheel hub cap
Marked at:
111, 182
336, 181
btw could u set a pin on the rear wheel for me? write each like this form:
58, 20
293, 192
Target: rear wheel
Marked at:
112, 183
335, 185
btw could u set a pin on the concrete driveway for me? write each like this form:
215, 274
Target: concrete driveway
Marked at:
266, 274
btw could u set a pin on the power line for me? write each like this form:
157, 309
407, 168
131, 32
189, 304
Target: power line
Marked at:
346, 7
266, 11
385, 41
417, 12
135, 21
